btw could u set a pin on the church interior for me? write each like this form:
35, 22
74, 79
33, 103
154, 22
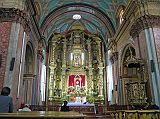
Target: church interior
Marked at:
99, 55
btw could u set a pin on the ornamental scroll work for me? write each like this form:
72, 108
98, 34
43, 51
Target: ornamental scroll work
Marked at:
136, 82
13, 14
136, 93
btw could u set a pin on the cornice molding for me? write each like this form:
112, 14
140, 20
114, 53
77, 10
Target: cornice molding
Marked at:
15, 15
146, 21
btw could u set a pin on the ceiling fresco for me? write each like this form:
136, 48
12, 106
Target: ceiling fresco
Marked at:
97, 16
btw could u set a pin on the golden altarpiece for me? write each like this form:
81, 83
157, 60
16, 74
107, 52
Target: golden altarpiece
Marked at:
75, 67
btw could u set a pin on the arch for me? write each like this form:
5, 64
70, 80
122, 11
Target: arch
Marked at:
123, 55
28, 74
102, 18
29, 59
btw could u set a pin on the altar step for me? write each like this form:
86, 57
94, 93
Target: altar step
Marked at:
96, 116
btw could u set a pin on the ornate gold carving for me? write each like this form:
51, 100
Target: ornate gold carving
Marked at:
82, 57
136, 93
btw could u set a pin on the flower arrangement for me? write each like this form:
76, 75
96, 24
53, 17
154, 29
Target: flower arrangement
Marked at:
90, 99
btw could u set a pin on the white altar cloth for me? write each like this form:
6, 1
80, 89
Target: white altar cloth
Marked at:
79, 104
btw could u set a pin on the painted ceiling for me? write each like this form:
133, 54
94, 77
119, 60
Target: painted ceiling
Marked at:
97, 16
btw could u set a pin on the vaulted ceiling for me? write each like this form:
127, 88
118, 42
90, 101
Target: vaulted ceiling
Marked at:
97, 16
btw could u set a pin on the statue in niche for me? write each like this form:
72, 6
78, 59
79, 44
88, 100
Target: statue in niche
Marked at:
77, 59
77, 40
76, 37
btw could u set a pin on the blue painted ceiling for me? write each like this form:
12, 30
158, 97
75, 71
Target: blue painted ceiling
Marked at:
97, 15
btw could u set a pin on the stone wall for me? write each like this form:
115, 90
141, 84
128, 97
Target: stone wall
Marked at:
5, 28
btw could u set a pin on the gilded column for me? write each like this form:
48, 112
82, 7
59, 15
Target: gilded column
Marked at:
52, 52
101, 81
64, 53
63, 82
51, 82
69, 51
89, 81
99, 52
89, 53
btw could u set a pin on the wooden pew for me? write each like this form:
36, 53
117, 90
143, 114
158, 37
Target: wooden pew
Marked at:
134, 114
43, 114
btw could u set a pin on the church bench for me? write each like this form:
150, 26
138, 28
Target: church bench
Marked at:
43, 114
134, 114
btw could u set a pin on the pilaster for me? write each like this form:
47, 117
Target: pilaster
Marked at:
146, 23
15, 15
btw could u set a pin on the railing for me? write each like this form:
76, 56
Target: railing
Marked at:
100, 108
113, 113
79, 109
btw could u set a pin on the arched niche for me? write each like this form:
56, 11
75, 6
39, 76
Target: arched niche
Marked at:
119, 15
133, 75
28, 75
29, 60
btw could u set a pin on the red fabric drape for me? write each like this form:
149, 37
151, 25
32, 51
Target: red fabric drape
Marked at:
72, 80
83, 80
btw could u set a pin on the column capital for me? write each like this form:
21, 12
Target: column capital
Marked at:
114, 57
143, 22
13, 14
40, 55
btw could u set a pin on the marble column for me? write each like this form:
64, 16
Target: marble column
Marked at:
40, 58
149, 36
114, 61
146, 24
13, 23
